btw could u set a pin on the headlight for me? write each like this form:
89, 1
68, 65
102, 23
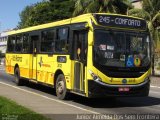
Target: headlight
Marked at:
94, 76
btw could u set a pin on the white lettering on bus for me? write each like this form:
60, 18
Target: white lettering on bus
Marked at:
130, 22
104, 19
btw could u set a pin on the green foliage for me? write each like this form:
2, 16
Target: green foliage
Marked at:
25, 17
10, 110
94, 6
151, 6
46, 11
151, 12
62, 9
140, 13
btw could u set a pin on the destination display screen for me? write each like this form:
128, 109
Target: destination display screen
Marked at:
120, 21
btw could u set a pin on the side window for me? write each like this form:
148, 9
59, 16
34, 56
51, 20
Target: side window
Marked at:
25, 43
61, 43
11, 43
47, 41
19, 41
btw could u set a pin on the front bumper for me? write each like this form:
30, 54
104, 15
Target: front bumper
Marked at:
100, 89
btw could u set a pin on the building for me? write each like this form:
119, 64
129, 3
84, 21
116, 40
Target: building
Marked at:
3, 42
137, 3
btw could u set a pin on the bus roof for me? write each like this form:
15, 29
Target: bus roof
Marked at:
78, 19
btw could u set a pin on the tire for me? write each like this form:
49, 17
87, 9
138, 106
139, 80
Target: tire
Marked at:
18, 80
146, 92
61, 90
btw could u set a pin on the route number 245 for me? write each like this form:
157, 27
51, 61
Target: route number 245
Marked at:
104, 19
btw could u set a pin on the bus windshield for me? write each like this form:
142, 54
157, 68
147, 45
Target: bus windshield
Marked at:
121, 49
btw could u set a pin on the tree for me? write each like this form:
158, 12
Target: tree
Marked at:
45, 11
63, 9
25, 16
151, 13
93, 6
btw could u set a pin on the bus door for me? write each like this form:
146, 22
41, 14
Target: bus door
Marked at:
34, 49
79, 46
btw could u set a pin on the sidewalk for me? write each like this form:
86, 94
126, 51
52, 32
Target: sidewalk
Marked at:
49, 107
155, 80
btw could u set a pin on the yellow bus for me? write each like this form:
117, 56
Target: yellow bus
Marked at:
93, 55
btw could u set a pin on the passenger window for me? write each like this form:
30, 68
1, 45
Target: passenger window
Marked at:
11, 43
25, 43
19, 41
61, 43
47, 41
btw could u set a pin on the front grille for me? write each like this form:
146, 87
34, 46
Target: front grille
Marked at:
122, 72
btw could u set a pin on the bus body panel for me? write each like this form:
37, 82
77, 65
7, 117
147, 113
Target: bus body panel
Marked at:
43, 69
22, 60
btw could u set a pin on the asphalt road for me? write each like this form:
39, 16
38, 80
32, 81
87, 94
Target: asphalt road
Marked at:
43, 100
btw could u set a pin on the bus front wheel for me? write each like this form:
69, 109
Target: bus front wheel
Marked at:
61, 90
17, 77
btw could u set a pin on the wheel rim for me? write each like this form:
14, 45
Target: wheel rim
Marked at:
60, 87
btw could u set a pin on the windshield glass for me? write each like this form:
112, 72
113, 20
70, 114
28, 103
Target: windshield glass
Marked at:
121, 49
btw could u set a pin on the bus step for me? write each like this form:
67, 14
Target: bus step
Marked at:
79, 93
33, 81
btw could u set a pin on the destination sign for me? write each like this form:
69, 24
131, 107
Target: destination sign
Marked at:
120, 21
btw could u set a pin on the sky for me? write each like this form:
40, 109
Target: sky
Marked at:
10, 10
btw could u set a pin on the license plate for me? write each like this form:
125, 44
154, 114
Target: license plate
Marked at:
124, 89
